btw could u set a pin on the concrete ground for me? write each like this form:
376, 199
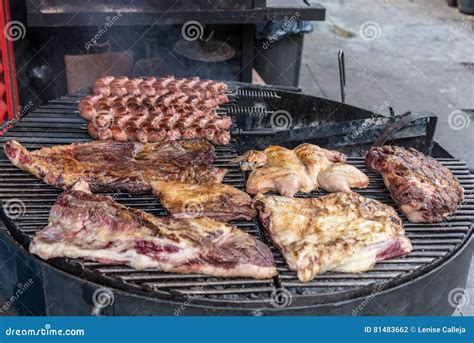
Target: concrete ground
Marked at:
409, 54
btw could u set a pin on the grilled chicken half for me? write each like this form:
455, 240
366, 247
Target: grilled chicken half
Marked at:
218, 201
94, 227
427, 191
337, 232
305, 168
118, 166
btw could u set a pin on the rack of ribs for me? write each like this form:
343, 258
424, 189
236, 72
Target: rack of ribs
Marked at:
118, 166
342, 232
305, 168
427, 191
94, 227
219, 201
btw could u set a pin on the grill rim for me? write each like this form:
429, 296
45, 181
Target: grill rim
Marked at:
254, 311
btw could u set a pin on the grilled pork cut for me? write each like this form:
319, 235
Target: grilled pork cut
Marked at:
342, 232
218, 201
94, 227
122, 85
305, 168
155, 110
427, 191
118, 166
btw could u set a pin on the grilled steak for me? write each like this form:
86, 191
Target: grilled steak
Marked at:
426, 190
118, 166
337, 232
305, 168
218, 201
94, 227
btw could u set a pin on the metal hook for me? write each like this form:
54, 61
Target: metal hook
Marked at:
342, 75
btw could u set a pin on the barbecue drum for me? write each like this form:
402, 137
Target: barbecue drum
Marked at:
417, 284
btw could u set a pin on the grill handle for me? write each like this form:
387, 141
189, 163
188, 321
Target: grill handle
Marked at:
406, 119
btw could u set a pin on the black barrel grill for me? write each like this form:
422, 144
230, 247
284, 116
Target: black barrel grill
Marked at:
416, 284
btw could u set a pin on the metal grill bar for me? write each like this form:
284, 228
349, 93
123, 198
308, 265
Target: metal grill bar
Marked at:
257, 94
59, 123
248, 110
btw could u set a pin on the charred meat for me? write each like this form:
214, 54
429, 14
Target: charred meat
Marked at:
219, 201
342, 232
118, 166
94, 227
426, 191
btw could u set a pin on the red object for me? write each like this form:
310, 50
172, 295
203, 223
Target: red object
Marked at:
9, 102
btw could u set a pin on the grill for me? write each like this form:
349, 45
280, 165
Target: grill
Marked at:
72, 282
